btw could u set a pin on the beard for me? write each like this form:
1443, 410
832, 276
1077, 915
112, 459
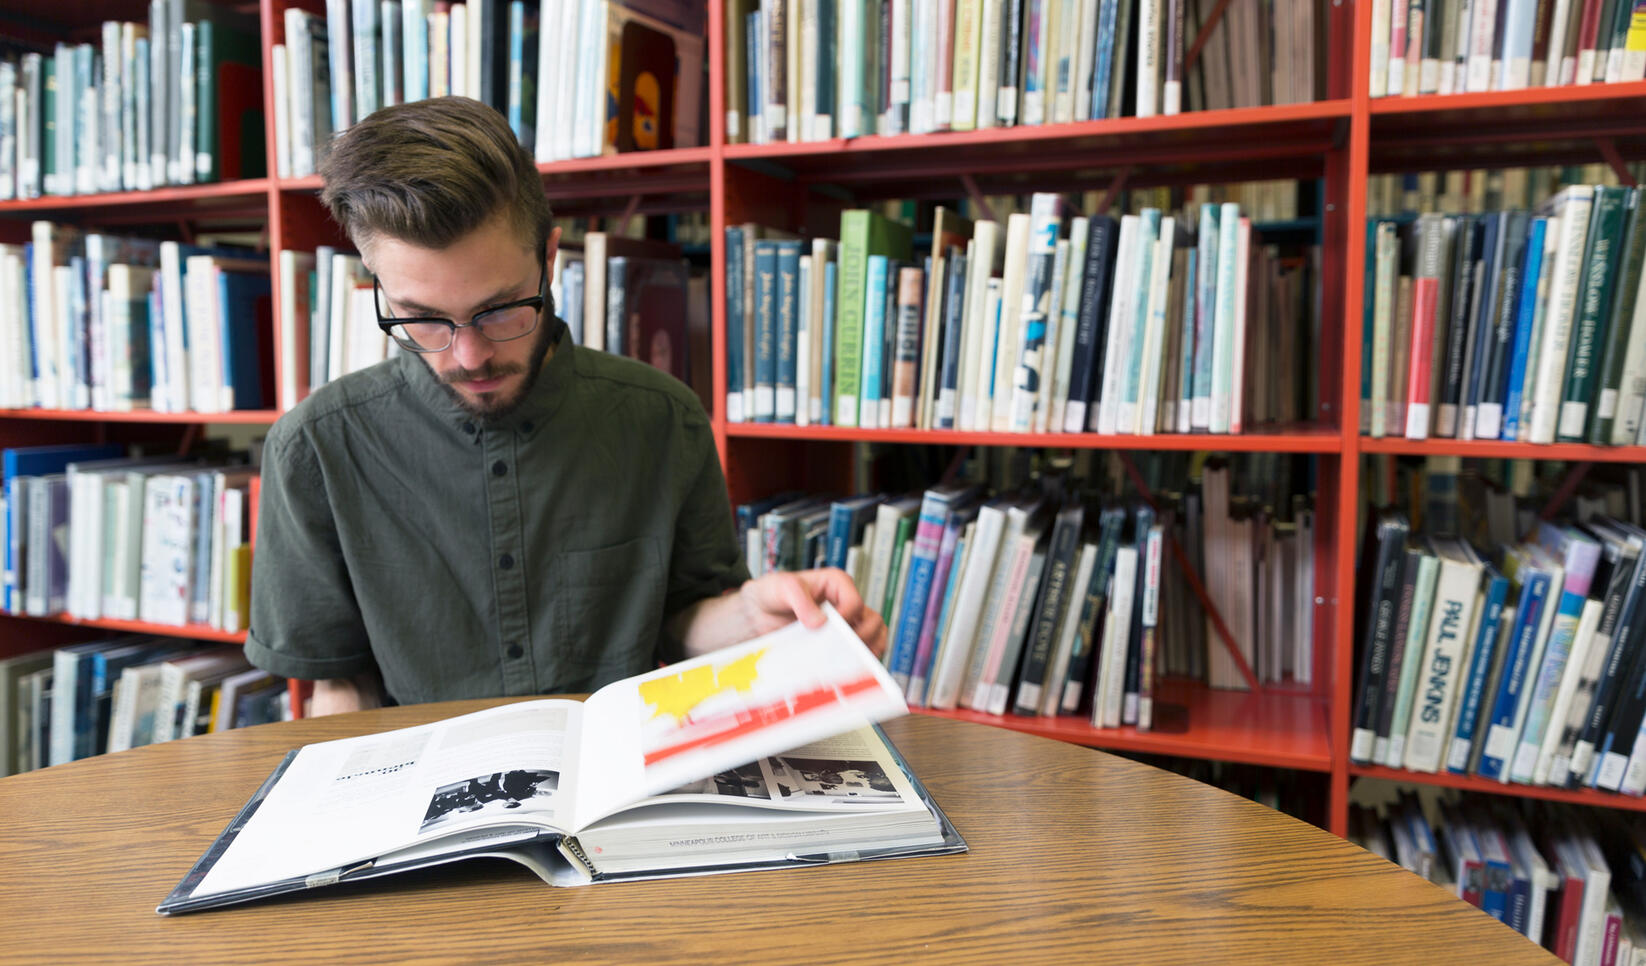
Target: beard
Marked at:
494, 406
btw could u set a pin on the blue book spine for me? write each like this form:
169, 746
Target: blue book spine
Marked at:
788, 327
928, 536
764, 404
1496, 754
244, 299
831, 274
1520, 900
734, 324
76, 388
825, 79
1480, 665
840, 534
874, 337
942, 621
1103, 70
517, 56
1494, 899
1205, 279
416, 35
1185, 371
1148, 234
1527, 312
31, 322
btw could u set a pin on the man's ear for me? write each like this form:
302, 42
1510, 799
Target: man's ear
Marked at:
551, 246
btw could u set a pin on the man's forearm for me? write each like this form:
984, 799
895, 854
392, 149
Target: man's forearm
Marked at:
712, 623
340, 695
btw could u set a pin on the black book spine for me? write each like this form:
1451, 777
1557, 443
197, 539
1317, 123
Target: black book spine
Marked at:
1102, 243
1457, 323
1382, 597
1013, 12
1397, 644
1505, 303
1054, 592
954, 306
1481, 317
1134, 646
1624, 675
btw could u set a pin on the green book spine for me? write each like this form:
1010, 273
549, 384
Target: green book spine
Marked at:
1603, 414
862, 233
848, 308
205, 92
1593, 303
905, 533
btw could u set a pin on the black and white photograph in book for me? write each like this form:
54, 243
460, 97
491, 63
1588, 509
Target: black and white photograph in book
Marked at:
744, 781
494, 792
842, 780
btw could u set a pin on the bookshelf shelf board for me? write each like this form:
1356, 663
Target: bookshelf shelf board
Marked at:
610, 176
251, 193
1243, 143
1278, 728
199, 632
1474, 783
1491, 128
1303, 441
255, 417
1493, 449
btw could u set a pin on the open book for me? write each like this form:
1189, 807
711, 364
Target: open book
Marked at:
762, 755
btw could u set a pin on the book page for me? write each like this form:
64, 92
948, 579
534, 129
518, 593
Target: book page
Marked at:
700, 717
342, 802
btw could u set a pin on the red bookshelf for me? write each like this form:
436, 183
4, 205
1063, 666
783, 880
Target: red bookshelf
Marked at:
1285, 729
1341, 140
199, 632
1494, 449
1485, 786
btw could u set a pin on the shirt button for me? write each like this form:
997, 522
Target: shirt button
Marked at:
514, 651
506, 561
498, 468
526, 426
468, 428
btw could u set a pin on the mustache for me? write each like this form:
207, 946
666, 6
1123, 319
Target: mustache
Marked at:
482, 374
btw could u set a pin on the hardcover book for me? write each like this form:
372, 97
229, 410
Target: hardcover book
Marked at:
756, 756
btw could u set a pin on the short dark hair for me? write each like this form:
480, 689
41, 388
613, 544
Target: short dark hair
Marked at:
432, 171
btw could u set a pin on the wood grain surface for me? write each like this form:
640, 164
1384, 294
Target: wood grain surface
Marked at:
1076, 856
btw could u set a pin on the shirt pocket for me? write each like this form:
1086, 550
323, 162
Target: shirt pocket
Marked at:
610, 608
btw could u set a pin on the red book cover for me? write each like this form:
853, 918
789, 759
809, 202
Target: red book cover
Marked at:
1425, 297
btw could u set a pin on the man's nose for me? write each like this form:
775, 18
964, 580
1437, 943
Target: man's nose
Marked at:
470, 349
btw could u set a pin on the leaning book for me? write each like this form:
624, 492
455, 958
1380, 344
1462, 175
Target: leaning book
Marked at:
764, 755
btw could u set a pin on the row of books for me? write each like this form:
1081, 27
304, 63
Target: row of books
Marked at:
115, 324
64, 704
1523, 669
1036, 604
1483, 190
810, 70
1512, 325
176, 100
575, 78
647, 305
1569, 880
92, 533
1459, 46
1137, 325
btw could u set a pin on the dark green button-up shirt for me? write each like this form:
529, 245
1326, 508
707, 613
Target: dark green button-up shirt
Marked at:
465, 558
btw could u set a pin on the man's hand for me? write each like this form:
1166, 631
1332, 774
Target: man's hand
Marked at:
776, 599
338, 695
773, 601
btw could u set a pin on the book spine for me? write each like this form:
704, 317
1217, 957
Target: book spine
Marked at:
1593, 307
1525, 317
764, 403
1564, 283
1501, 734
849, 306
1474, 683
1383, 598
788, 308
910, 286
874, 335
733, 290
1625, 295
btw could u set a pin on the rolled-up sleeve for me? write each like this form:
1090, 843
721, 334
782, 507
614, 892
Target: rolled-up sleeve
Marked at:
305, 622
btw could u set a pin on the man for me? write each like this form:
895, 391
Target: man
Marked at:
494, 511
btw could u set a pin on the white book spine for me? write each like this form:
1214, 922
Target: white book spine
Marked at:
1120, 307
1154, 339
1223, 348
1108, 707
1557, 332
1441, 667
1148, 58
1632, 389
1582, 642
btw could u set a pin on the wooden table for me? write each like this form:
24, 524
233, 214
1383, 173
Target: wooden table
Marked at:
1076, 856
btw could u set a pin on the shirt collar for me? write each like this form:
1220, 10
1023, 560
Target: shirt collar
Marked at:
540, 404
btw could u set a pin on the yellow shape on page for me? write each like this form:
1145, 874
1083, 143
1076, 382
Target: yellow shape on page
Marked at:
677, 695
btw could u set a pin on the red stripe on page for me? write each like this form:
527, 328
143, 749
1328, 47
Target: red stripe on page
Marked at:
751, 720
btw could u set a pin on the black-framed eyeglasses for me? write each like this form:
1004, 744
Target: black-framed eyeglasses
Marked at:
500, 323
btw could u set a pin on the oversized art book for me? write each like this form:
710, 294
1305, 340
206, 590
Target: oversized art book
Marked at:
763, 755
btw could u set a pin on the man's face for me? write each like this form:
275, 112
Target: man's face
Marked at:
485, 268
